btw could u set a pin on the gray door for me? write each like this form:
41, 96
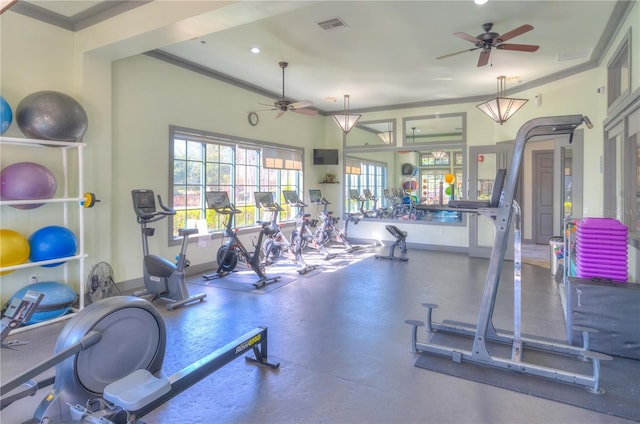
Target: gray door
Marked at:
542, 196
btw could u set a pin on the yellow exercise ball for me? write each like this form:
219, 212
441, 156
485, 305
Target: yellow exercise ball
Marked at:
449, 178
14, 249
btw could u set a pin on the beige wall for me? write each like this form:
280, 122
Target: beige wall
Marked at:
148, 96
132, 99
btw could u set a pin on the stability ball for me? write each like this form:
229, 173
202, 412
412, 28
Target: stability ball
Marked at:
6, 115
51, 115
409, 169
52, 242
449, 178
14, 249
27, 181
57, 301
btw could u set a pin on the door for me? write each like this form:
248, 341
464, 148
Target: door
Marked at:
484, 163
542, 196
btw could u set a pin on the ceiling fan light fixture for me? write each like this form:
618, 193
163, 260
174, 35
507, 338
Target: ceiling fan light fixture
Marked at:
501, 108
346, 121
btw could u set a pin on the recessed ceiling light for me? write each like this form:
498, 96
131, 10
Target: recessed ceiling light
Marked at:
330, 99
255, 49
480, 2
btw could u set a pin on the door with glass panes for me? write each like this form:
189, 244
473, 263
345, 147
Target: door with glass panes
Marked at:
484, 162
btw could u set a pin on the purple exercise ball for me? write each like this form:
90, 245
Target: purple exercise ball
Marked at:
27, 181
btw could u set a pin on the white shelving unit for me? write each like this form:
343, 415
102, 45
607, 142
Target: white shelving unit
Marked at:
70, 195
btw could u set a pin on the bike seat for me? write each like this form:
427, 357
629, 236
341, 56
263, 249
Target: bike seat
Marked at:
182, 232
266, 225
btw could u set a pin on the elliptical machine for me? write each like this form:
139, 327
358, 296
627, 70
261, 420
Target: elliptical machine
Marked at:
162, 279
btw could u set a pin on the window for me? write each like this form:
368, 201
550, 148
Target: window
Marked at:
365, 175
619, 73
435, 165
622, 168
203, 161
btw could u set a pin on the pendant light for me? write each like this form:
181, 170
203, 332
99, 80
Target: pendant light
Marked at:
386, 136
346, 121
501, 108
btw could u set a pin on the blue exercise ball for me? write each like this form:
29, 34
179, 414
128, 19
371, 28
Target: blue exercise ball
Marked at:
51, 115
57, 301
6, 115
52, 242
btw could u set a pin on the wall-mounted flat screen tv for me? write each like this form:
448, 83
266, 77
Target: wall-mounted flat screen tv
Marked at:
325, 156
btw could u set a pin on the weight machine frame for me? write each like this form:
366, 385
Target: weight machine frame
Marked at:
484, 331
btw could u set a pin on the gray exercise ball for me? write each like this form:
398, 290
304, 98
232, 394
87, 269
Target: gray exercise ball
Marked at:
51, 115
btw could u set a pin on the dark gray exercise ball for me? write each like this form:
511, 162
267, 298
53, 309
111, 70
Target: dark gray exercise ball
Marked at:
51, 115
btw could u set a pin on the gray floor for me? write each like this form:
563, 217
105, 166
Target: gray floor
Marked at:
344, 348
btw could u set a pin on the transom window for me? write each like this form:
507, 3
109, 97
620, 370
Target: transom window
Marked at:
204, 162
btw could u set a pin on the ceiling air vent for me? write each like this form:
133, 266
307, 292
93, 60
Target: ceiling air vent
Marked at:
333, 24
577, 54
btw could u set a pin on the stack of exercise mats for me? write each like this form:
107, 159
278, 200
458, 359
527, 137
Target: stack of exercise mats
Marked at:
601, 249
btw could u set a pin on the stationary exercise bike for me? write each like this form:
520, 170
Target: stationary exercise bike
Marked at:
353, 195
276, 242
327, 227
302, 232
162, 279
233, 250
369, 197
108, 365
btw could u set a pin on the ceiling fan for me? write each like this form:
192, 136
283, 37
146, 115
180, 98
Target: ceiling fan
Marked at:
283, 105
488, 40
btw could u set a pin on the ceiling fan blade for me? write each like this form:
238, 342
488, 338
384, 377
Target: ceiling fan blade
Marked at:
279, 114
513, 33
6, 5
484, 57
301, 104
453, 54
518, 47
305, 111
467, 37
